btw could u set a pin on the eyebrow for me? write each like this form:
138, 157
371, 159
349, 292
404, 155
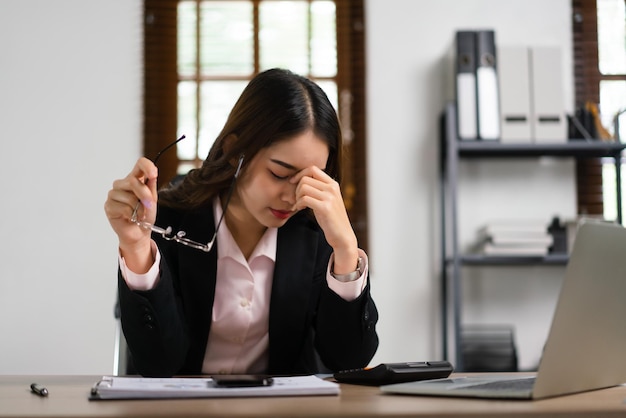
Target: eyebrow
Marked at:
284, 164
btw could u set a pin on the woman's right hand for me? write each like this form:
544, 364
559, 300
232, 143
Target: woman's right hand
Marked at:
138, 188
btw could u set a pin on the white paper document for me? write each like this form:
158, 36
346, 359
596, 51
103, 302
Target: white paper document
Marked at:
114, 387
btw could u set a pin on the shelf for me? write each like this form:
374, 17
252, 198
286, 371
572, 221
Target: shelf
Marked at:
572, 148
453, 261
510, 260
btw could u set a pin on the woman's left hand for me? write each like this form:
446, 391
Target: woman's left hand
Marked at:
318, 191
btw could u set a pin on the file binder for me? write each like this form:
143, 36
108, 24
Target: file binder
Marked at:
549, 123
515, 108
466, 85
487, 86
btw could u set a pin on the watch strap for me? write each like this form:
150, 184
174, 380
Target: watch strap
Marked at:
352, 276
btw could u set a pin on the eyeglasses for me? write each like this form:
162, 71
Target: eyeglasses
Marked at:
179, 236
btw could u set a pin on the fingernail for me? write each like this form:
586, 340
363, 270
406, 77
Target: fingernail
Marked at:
147, 203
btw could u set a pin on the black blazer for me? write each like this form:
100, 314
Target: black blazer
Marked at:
167, 327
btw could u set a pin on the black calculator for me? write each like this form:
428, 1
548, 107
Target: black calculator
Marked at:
388, 373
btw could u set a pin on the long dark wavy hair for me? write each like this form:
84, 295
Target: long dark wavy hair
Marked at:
276, 105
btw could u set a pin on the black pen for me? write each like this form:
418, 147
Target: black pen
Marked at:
38, 389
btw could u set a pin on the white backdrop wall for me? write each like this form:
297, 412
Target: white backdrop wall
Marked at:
70, 123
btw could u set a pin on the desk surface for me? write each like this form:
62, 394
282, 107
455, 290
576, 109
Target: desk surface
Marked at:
68, 398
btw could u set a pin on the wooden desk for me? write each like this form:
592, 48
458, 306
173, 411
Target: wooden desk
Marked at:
68, 398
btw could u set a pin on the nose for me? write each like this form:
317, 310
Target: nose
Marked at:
288, 193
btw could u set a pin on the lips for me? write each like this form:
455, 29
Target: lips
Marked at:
281, 214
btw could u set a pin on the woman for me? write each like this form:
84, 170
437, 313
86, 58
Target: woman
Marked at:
286, 281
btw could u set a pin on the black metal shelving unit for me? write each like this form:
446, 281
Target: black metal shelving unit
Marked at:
452, 150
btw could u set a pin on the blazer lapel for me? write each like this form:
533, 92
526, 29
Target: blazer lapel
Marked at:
291, 293
199, 290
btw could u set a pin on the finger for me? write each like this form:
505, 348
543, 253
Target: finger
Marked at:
143, 182
121, 194
319, 207
310, 188
311, 171
120, 202
319, 180
321, 197
114, 204
144, 169
327, 185
152, 186
138, 186
117, 211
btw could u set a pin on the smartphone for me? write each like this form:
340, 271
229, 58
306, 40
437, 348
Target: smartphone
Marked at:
241, 380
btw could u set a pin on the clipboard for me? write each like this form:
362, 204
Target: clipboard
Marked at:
118, 387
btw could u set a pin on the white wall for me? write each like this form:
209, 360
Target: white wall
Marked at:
70, 123
409, 80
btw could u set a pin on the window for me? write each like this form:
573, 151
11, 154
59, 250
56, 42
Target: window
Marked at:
612, 67
600, 73
200, 54
223, 44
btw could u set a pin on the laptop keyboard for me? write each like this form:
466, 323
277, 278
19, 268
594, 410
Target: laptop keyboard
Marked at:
504, 385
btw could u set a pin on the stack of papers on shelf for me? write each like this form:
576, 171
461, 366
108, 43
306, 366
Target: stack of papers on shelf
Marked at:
515, 238
114, 387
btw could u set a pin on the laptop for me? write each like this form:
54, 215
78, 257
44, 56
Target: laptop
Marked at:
586, 346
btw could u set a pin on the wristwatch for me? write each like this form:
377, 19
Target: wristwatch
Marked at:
352, 276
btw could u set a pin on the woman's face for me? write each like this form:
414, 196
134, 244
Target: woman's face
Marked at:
264, 194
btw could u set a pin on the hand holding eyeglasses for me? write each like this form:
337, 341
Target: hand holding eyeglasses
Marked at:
140, 185
137, 188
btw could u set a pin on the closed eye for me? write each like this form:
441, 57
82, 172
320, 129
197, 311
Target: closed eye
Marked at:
276, 176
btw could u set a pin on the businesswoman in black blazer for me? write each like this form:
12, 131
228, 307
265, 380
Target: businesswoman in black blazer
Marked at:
267, 276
